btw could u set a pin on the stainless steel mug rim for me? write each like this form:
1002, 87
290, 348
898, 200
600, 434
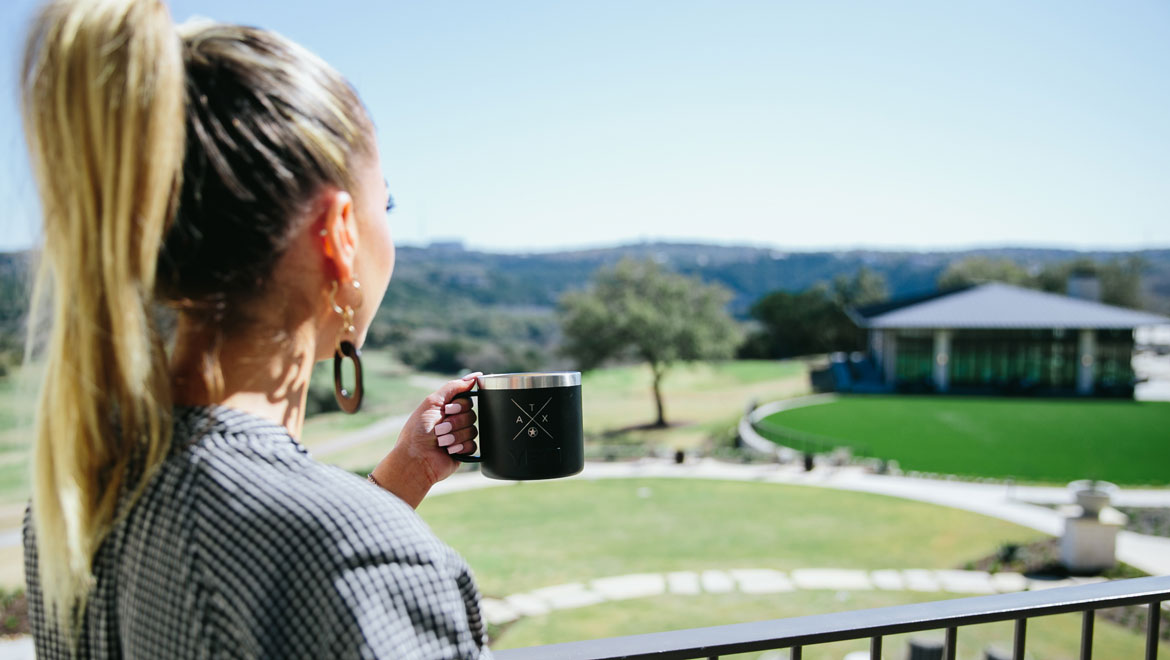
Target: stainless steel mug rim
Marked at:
529, 380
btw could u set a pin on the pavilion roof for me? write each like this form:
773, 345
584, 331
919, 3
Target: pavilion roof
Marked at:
996, 305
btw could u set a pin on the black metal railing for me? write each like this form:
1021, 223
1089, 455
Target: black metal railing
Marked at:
874, 624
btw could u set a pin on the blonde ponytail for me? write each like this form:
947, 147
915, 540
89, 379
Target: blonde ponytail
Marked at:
103, 106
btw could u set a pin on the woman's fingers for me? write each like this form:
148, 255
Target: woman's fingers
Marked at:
463, 448
455, 423
455, 438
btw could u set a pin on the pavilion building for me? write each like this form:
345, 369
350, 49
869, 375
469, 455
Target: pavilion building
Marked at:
997, 338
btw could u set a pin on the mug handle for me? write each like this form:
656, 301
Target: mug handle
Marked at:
466, 458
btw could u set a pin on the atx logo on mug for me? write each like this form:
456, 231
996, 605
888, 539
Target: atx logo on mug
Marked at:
532, 424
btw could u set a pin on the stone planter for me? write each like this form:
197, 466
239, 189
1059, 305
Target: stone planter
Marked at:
1092, 496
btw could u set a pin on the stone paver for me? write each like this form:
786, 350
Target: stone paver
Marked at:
497, 611
568, 596
716, 582
966, 582
758, 581
921, 580
761, 581
528, 605
1005, 582
683, 583
829, 578
624, 587
888, 580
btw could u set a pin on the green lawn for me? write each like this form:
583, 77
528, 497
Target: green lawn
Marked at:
543, 533
700, 399
1040, 440
18, 400
538, 534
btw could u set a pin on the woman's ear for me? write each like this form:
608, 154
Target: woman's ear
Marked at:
337, 229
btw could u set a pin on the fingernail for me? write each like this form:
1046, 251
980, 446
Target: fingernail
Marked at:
445, 440
452, 408
455, 449
473, 375
443, 429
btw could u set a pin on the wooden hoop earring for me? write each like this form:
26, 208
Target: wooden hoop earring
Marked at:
350, 402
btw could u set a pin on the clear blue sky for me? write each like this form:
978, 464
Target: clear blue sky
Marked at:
538, 125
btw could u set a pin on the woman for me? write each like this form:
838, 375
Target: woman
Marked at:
233, 175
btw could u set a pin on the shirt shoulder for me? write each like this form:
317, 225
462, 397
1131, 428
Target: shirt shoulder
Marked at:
310, 556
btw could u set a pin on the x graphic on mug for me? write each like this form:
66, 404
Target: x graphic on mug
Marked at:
531, 420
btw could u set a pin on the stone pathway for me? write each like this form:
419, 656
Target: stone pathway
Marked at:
757, 581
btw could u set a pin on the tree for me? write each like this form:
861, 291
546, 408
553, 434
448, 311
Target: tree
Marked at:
980, 270
813, 320
1120, 278
803, 323
866, 287
639, 310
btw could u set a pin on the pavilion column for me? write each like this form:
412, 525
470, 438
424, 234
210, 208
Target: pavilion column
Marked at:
942, 359
890, 356
1086, 358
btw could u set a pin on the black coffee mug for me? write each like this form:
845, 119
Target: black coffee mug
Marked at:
529, 425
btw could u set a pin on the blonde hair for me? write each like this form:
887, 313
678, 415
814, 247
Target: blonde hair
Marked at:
101, 81
167, 168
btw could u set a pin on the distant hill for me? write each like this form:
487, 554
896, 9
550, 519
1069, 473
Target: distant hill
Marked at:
749, 272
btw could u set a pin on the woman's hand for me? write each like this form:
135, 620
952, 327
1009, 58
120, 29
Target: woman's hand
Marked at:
438, 428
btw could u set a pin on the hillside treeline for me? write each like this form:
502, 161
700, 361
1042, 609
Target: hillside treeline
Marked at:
450, 308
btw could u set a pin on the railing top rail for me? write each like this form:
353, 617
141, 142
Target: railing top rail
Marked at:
857, 624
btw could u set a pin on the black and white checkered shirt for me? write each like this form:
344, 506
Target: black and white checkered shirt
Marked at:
242, 546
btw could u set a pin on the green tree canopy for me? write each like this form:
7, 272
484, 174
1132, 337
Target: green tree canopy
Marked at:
638, 310
866, 287
981, 270
813, 320
1120, 279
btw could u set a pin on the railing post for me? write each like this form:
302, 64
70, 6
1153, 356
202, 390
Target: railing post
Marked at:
1155, 618
795, 655
950, 641
1020, 639
875, 648
1087, 635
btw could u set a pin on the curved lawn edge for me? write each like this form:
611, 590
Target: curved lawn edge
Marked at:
747, 423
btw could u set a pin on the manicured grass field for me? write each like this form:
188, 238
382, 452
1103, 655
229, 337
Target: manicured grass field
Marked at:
1040, 440
536, 534
700, 399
